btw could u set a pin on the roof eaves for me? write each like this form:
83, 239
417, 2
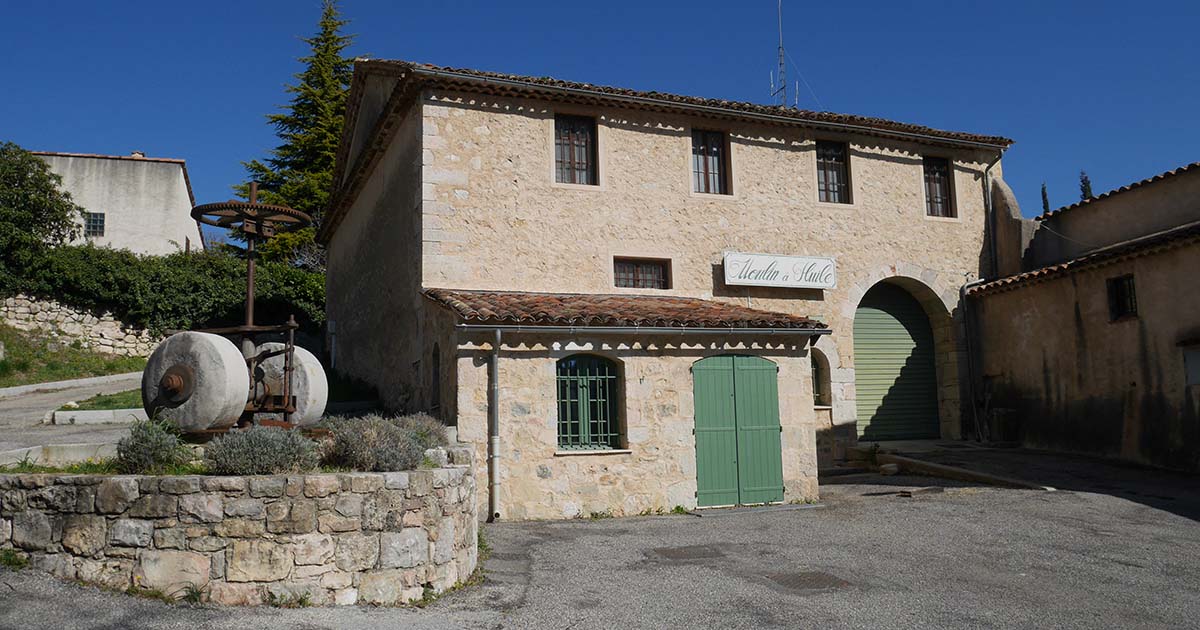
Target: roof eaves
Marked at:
1116, 191
1143, 246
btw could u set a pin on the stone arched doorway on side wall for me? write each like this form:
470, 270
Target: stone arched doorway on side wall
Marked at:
922, 399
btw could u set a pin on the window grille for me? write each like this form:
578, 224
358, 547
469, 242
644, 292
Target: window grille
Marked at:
93, 224
587, 403
636, 273
575, 150
939, 193
833, 172
709, 162
1122, 298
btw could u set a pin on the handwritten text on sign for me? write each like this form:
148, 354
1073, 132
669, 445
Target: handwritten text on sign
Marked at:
766, 270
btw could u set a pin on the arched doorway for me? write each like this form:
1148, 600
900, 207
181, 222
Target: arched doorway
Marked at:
894, 367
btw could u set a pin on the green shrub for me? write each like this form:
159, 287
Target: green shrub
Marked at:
428, 431
151, 448
261, 451
372, 443
173, 292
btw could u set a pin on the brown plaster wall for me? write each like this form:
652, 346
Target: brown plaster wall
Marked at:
1077, 382
1145, 210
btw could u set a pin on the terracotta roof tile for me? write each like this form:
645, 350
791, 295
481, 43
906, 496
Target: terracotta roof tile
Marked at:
435, 74
1175, 237
1126, 188
577, 309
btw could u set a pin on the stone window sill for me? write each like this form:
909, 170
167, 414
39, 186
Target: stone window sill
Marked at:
822, 407
598, 451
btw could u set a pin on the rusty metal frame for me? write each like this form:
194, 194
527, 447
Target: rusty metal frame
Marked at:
258, 221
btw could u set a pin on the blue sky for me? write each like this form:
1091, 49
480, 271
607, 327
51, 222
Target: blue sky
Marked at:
1109, 87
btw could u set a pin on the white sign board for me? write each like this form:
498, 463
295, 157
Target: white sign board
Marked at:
767, 270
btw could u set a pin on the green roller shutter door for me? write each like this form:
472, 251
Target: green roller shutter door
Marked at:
894, 371
738, 458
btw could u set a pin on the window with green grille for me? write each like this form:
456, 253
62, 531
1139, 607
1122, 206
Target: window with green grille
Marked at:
587, 403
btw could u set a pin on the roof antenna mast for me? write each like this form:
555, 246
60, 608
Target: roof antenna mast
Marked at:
781, 91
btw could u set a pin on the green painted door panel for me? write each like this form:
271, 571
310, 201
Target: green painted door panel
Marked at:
894, 367
760, 460
738, 457
716, 432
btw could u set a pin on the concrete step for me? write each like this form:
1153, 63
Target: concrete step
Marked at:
97, 416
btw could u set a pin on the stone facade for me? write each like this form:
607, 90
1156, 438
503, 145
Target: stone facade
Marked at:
464, 197
66, 324
372, 538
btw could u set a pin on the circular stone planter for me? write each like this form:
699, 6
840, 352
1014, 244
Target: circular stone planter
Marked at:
372, 538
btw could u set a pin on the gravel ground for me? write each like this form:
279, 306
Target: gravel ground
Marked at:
968, 557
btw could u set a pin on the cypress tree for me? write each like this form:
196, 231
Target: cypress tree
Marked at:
1085, 186
1045, 199
299, 172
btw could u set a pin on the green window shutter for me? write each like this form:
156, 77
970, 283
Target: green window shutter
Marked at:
760, 460
716, 432
587, 403
894, 359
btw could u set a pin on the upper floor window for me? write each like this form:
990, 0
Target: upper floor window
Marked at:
710, 162
642, 273
833, 172
93, 224
575, 150
587, 403
1122, 298
939, 190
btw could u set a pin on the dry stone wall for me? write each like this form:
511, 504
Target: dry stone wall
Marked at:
66, 324
373, 538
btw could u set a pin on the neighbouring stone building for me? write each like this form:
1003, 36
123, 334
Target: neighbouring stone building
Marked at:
1091, 343
637, 300
132, 202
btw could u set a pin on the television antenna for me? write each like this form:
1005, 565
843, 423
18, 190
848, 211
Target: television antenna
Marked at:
781, 91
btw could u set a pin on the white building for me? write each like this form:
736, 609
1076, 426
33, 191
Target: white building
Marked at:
131, 202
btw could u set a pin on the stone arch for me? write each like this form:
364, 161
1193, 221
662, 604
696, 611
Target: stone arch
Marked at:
937, 293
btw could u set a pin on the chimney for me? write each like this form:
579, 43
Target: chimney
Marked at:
138, 154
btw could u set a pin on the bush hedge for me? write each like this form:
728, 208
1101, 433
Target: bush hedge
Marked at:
372, 443
261, 450
151, 448
177, 291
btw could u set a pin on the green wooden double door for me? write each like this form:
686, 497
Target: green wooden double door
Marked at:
738, 456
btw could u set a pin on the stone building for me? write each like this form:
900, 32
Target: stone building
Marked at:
637, 300
1091, 343
132, 202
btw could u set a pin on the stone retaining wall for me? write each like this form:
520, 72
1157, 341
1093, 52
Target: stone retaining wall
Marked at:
102, 333
373, 538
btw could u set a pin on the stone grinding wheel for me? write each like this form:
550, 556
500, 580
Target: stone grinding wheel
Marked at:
309, 385
196, 381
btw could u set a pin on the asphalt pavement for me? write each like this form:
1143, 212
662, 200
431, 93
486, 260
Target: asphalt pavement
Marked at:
21, 416
965, 557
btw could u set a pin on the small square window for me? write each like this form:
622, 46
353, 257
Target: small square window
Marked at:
710, 162
939, 189
93, 224
575, 150
833, 172
642, 273
1122, 298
